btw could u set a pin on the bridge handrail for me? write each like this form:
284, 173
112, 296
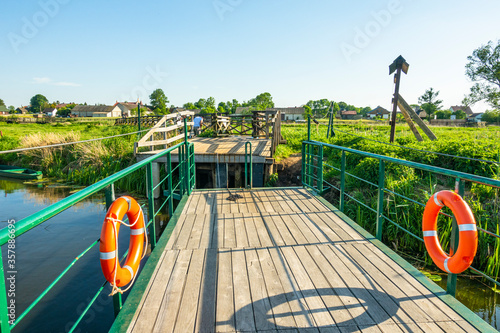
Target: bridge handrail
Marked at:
185, 185
313, 166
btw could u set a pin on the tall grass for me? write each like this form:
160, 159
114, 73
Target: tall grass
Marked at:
411, 183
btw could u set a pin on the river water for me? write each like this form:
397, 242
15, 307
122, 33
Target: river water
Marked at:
44, 252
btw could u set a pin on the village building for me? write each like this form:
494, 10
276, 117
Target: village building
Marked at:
96, 111
380, 112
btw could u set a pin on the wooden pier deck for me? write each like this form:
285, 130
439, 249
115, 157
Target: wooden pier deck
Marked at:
280, 260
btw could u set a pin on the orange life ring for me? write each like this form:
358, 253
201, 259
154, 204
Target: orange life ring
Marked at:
467, 245
108, 242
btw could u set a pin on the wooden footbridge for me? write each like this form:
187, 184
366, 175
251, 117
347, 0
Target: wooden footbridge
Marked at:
281, 260
259, 259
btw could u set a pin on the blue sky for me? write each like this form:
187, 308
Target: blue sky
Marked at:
103, 51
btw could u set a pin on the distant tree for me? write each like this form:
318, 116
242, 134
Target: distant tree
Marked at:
262, 101
189, 106
459, 114
2, 103
307, 111
336, 109
64, 111
234, 105
484, 69
491, 116
159, 101
206, 105
343, 105
365, 110
319, 107
443, 114
12, 109
38, 103
430, 102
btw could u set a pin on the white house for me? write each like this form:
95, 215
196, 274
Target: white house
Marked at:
96, 111
379, 111
51, 112
477, 117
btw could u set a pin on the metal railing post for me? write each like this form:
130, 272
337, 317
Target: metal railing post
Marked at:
4, 311
181, 170
109, 193
451, 283
303, 169
192, 166
342, 181
186, 159
169, 186
151, 204
248, 176
320, 169
380, 203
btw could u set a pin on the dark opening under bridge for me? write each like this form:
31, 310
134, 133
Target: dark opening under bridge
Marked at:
274, 260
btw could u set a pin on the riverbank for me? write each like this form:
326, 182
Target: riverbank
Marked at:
80, 164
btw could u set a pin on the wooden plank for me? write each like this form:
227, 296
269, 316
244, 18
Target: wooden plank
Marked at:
173, 295
183, 237
410, 123
205, 321
264, 237
208, 229
361, 285
264, 320
282, 313
402, 104
240, 231
306, 287
224, 319
299, 308
229, 232
251, 203
160, 142
340, 226
390, 287
150, 304
421, 300
253, 236
175, 233
188, 308
272, 230
416, 284
295, 230
282, 227
197, 231
309, 221
243, 307
332, 302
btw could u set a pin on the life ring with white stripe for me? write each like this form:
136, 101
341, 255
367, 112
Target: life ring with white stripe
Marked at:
467, 245
115, 274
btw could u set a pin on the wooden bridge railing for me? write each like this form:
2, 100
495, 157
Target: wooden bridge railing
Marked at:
146, 121
166, 131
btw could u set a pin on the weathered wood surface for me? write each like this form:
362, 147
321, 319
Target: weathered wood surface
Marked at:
404, 105
280, 261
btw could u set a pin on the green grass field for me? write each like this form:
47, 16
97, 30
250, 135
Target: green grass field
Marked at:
478, 143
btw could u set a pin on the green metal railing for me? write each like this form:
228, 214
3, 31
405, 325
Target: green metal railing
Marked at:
248, 175
184, 177
314, 167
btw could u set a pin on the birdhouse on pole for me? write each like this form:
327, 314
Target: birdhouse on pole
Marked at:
397, 66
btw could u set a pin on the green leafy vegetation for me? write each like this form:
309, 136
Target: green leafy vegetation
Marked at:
417, 185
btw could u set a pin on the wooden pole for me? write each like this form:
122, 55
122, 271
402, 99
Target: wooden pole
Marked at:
410, 122
403, 105
395, 104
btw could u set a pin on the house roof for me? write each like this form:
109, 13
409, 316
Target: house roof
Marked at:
131, 105
379, 110
291, 110
22, 109
49, 110
347, 113
464, 108
92, 108
3, 108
